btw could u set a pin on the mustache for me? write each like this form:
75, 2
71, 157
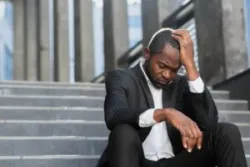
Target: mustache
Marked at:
161, 84
165, 82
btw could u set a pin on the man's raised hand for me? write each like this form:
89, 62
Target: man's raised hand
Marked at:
186, 52
186, 46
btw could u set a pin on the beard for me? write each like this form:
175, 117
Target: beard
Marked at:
158, 85
155, 83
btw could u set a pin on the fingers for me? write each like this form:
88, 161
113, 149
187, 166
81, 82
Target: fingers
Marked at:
191, 144
191, 136
188, 139
198, 135
199, 141
184, 140
182, 34
178, 38
190, 133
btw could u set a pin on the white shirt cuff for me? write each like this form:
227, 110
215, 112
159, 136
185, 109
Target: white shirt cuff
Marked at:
146, 119
196, 86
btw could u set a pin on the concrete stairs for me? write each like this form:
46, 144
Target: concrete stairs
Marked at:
61, 124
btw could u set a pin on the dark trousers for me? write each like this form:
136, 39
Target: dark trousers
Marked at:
222, 147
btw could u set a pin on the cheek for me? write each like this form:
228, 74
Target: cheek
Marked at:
157, 72
172, 75
152, 72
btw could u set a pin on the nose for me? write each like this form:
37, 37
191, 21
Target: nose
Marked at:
167, 74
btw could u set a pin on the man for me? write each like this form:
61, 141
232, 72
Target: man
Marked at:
160, 119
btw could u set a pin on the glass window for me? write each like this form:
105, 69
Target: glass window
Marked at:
7, 63
134, 22
247, 23
6, 35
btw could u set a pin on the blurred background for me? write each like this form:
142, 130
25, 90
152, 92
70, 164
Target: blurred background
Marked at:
54, 55
80, 40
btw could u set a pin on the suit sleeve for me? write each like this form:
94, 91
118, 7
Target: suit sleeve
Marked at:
201, 107
116, 107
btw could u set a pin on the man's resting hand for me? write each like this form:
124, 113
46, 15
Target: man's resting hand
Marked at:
190, 132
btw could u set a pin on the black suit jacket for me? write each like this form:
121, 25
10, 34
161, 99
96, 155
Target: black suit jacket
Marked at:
128, 96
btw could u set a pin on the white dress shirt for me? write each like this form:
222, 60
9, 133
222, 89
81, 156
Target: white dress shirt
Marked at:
157, 145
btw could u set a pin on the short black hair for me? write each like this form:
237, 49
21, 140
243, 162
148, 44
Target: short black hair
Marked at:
160, 39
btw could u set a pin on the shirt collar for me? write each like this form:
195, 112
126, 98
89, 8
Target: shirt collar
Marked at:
144, 73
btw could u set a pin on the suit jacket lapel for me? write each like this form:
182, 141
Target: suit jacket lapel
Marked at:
147, 93
144, 85
167, 97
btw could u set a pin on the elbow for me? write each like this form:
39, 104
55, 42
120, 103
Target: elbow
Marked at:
109, 123
215, 118
111, 116
213, 114
109, 120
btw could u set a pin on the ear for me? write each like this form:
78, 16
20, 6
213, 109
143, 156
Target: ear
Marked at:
146, 53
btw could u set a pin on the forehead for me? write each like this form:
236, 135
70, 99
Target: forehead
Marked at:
170, 54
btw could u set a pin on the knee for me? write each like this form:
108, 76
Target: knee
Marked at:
228, 130
124, 134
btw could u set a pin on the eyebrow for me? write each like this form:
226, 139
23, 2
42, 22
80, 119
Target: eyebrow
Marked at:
166, 63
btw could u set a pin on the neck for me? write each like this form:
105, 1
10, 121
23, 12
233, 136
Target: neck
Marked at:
145, 67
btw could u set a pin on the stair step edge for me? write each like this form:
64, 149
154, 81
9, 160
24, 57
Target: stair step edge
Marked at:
49, 157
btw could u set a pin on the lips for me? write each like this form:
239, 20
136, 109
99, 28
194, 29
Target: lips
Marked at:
163, 82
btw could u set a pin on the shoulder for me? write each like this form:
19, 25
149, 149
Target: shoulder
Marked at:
119, 78
181, 80
181, 83
121, 74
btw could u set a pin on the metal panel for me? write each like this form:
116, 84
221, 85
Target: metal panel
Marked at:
2, 70
247, 24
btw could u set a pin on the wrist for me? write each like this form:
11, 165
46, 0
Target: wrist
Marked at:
159, 115
189, 65
192, 72
167, 112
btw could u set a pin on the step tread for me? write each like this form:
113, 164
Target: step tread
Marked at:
230, 101
62, 88
48, 157
97, 97
19, 138
86, 86
85, 109
83, 138
30, 108
63, 121
234, 112
52, 97
81, 121
7, 82
70, 108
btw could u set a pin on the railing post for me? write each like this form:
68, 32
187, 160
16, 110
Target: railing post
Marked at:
84, 40
221, 39
153, 13
116, 38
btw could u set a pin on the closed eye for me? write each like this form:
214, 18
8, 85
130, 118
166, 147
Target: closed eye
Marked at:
161, 65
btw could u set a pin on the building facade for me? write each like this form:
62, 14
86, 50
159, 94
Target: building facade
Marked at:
134, 29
